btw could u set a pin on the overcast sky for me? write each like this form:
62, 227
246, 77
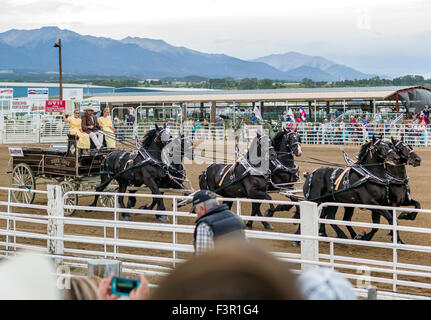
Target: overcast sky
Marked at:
375, 36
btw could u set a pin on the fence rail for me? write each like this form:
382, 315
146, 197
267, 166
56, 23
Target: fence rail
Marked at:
154, 248
54, 130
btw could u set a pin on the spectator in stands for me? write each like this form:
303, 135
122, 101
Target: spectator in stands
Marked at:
214, 221
76, 129
366, 121
291, 125
98, 114
325, 284
388, 124
352, 121
219, 125
377, 117
233, 271
326, 132
426, 112
253, 117
81, 288
131, 119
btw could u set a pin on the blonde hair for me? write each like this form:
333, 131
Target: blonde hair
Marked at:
82, 288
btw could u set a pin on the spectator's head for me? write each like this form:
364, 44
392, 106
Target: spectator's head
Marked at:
81, 288
89, 110
76, 113
28, 277
203, 201
232, 271
325, 284
106, 112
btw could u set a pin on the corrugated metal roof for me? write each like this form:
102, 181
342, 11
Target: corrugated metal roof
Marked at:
300, 94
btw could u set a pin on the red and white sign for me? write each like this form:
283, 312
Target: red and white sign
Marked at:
19, 106
6, 93
55, 106
15, 152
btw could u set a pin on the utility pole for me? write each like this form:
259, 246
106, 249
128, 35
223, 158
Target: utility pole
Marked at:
58, 45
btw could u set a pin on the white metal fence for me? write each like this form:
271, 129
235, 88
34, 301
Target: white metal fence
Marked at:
54, 130
400, 271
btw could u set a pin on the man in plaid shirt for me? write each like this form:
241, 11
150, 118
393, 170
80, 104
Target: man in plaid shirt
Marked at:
214, 220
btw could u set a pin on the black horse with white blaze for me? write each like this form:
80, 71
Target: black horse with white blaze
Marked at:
284, 172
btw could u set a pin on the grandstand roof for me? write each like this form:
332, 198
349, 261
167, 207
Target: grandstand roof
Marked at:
297, 94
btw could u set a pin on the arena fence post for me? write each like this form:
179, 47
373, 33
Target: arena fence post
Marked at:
309, 227
55, 227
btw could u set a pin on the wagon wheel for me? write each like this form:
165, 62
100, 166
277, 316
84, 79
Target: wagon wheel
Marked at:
71, 200
23, 178
108, 201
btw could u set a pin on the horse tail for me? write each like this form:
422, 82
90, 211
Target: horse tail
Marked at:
203, 180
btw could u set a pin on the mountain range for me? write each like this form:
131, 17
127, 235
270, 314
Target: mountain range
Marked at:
32, 50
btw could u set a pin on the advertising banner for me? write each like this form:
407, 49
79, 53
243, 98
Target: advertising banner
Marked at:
251, 130
20, 106
76, 94
6, 94
38, 93
55, 106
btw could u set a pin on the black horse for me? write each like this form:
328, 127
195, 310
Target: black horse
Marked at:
176, 175
141, 166
399, 191
363, 183
284, 172
247, 177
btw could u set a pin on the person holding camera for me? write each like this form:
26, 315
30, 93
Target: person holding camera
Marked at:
214, 221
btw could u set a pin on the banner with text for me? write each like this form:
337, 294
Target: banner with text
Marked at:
55, 106
20, 106
38, 93
251, 130
6, 94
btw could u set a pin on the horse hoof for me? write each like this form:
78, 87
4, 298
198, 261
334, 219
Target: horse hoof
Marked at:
323, 234
249, 225
361, 237
126, 217
295, 243
268, 226
162, 218
266, 214
143, 208
407, 215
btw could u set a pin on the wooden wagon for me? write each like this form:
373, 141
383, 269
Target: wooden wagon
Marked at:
63, 165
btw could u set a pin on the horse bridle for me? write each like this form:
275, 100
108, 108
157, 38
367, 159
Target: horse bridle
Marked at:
374, 145
396, 146
289, 146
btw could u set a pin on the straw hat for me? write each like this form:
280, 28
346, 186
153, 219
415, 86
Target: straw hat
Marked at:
89, 108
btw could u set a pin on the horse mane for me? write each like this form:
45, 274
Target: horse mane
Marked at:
362, 153
148, 138
276, 140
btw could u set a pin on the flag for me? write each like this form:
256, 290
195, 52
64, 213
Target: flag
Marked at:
257, 113
290, 113
302, 113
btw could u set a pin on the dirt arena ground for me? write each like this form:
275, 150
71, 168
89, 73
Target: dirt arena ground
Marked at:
419, 183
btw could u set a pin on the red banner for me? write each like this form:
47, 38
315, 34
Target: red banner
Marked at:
55, 105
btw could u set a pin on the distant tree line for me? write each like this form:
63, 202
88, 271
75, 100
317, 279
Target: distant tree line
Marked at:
236, 84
